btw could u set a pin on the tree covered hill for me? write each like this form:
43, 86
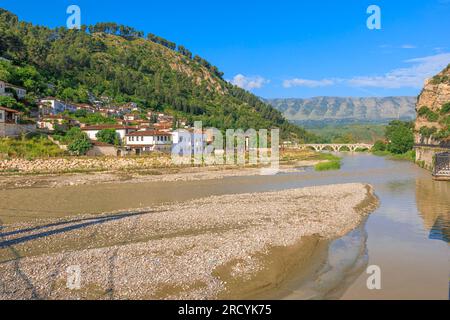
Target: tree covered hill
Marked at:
117, 63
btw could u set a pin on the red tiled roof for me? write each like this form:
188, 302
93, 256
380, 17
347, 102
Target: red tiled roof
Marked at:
101, 144
107, 126
56, 116
9, 110
148, 133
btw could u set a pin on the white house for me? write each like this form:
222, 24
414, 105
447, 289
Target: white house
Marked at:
9, 123
52, 105
149, 140
50, 122
83, 106
197, 141
2, 88
121, 131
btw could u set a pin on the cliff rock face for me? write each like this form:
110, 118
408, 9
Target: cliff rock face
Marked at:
432, 126
431, 101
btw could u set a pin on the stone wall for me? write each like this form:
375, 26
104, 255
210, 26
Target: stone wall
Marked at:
70, 164
425, 156
102, 151
14, 130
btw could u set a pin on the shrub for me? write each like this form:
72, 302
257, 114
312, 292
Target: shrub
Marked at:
79, 146
431, 116
379, 146
329, 165
427, 132
423, 111
108, 136
445, 108
442, 134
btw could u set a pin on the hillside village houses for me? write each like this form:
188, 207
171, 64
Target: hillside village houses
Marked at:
51, 121
85, 107
6, 89
136, 135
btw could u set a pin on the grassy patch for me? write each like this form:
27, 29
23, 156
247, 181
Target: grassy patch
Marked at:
329, 165
408, 156
29, 148
302, 155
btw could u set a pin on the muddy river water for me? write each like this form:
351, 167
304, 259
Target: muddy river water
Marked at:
406, 236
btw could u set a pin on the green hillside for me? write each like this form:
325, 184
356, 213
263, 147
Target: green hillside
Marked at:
117, 64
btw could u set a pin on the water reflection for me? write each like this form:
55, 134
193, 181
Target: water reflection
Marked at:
433, 202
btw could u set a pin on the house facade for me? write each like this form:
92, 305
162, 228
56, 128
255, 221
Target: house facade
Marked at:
148, 141
186, 138
8, 115
9, 123
121, 130
20, 91
50, 122
52, 105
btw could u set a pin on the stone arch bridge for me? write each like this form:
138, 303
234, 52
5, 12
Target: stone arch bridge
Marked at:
336, 147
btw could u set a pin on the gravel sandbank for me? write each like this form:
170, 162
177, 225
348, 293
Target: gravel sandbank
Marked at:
198, 249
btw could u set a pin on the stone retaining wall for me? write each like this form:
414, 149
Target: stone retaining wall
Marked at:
54, 165
425, 155
14, 130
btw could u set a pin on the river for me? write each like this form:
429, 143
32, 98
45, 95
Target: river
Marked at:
406, 236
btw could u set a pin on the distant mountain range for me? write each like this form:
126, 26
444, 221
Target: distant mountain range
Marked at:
346, 109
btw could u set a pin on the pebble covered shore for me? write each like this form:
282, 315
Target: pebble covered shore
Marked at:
172, 251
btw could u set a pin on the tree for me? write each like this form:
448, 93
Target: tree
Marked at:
379, 146
400, 135
80, 145
108, 136
12, 103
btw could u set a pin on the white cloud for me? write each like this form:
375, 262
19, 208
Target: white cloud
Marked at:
410, 77
296, 82
408, 46
403, 46
249, 83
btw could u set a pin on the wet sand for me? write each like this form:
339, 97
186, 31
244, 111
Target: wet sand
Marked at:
204, 248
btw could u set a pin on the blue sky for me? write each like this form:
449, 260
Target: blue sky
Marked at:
286, 48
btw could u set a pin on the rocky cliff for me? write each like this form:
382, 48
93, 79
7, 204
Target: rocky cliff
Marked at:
432, 125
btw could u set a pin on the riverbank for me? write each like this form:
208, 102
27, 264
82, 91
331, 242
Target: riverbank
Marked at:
197, 249
57, 172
